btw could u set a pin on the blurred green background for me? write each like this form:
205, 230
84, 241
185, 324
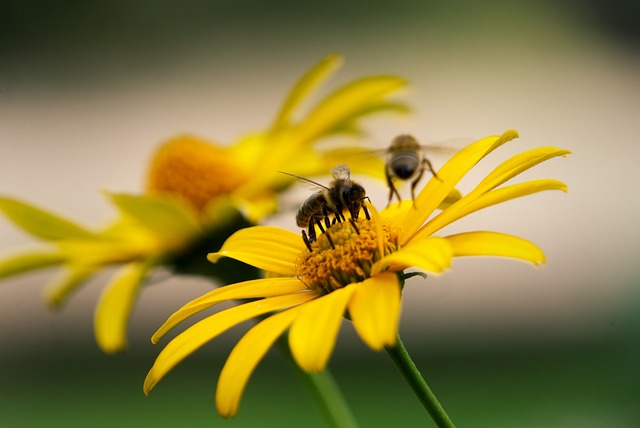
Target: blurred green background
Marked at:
87, 90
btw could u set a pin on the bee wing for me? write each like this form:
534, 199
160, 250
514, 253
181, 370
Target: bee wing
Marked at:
341, 172
445, 147
309, 183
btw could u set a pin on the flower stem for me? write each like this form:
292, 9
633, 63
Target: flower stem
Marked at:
325, 390
330, 397
411, 374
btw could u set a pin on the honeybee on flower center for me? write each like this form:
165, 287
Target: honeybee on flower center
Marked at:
328, 205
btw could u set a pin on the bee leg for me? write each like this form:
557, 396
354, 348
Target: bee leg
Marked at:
319, 224
325, 213
414, 183
353, 223
306, 240
433, 171
325, 233
328, 236
392, 187
366, 212
312, 231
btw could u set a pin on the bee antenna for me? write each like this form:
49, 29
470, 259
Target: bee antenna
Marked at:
304, 179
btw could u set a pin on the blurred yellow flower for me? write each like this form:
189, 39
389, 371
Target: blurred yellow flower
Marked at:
359, 271
197, 192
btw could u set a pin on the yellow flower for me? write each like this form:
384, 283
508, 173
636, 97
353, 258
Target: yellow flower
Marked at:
359, 271
247, 172
196, 192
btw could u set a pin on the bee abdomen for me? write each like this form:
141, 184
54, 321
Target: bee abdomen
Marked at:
404, 164
312, 206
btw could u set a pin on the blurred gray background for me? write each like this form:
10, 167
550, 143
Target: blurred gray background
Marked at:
87, 91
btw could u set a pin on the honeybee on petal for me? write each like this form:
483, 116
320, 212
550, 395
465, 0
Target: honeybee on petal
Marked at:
328, 204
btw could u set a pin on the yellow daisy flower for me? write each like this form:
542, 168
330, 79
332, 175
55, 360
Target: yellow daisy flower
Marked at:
359, 271
197, 192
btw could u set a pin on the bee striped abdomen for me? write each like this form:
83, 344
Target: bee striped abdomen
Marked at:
404, 164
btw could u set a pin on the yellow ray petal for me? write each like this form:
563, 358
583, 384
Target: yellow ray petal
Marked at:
375, 310
449, 175
165, 215
68, 279
514, 166
207, 329
244, 358
101, 251
19, 263
115, 306
453, 197
494, 197
265, 247
269, 287
40, 223
314, 332
360, 160
302, 89
346, 103
495, 244
397, 211
430, 254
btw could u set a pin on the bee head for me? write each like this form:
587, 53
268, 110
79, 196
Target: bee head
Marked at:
353, 197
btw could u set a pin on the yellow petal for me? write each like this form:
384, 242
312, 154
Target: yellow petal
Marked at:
302, 89
40, 223
207, 329
449, 175
265, 247
69, 278
453, 197
115, 306
397, 211
495, 244
360, 160
101, 251
516, 165
488, 199
24, 262
242, 290
430, 254
244, 358
314, 332
375, 310
349, 101
165, 215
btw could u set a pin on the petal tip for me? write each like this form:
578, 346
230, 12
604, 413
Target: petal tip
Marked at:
509, 135
214, 257
149, 383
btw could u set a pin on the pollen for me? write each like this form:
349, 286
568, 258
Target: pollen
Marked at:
195, 169
346, 256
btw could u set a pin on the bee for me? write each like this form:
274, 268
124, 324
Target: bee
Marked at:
341, 195
406, 161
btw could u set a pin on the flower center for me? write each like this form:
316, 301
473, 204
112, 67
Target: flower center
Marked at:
196, 170
346, 257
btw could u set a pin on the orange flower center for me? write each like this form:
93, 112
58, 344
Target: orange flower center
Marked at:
196, 170
346, 257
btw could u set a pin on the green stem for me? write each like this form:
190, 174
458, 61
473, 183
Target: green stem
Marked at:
412, 375
325, 390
